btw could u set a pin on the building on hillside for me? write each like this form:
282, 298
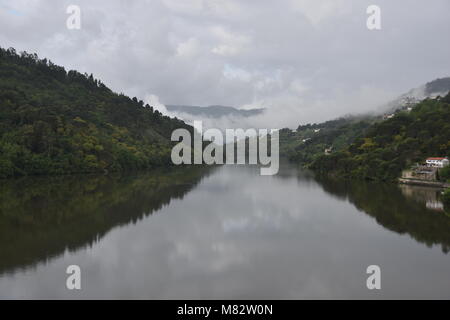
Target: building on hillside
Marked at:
420, 173
437, 162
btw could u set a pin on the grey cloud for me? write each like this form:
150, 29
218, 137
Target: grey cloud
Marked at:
304, 60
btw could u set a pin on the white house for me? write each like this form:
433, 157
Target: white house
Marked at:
437, 162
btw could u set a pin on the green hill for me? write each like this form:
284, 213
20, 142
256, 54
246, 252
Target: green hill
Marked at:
392, 145
57, 122
309, 141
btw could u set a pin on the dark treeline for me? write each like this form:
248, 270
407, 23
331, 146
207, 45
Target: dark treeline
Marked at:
56, 122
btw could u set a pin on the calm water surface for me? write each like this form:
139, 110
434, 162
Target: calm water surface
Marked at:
224, 232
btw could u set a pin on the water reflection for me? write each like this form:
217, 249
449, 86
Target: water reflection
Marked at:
430, 196
41, 217
413, 210
225, 233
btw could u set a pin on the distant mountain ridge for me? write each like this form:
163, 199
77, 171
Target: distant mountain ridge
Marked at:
438, 87
214, 111
432, 89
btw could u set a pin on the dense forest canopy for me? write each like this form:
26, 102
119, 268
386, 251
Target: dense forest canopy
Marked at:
392, 145
54, 122
373, 147
310, 141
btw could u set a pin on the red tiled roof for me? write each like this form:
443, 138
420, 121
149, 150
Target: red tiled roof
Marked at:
435, 158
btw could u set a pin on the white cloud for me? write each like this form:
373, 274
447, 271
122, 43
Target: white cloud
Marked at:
302, 59
153, 100
188, 49
229, 44
319, 11
233, 73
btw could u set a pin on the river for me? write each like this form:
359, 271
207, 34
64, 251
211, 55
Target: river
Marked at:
220, 233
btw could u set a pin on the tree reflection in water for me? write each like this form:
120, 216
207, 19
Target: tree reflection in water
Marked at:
41, 217
402, 209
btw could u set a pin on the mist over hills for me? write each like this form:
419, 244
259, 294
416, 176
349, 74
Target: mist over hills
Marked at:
218, 116
214, 111
55, 121
432, 89
376, 146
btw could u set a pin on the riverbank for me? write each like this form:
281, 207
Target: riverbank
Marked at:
417, 182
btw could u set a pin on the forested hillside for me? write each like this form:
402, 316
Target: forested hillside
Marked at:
392, 145
310, 141
55, 122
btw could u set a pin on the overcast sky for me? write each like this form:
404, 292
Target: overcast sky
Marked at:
305, 60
